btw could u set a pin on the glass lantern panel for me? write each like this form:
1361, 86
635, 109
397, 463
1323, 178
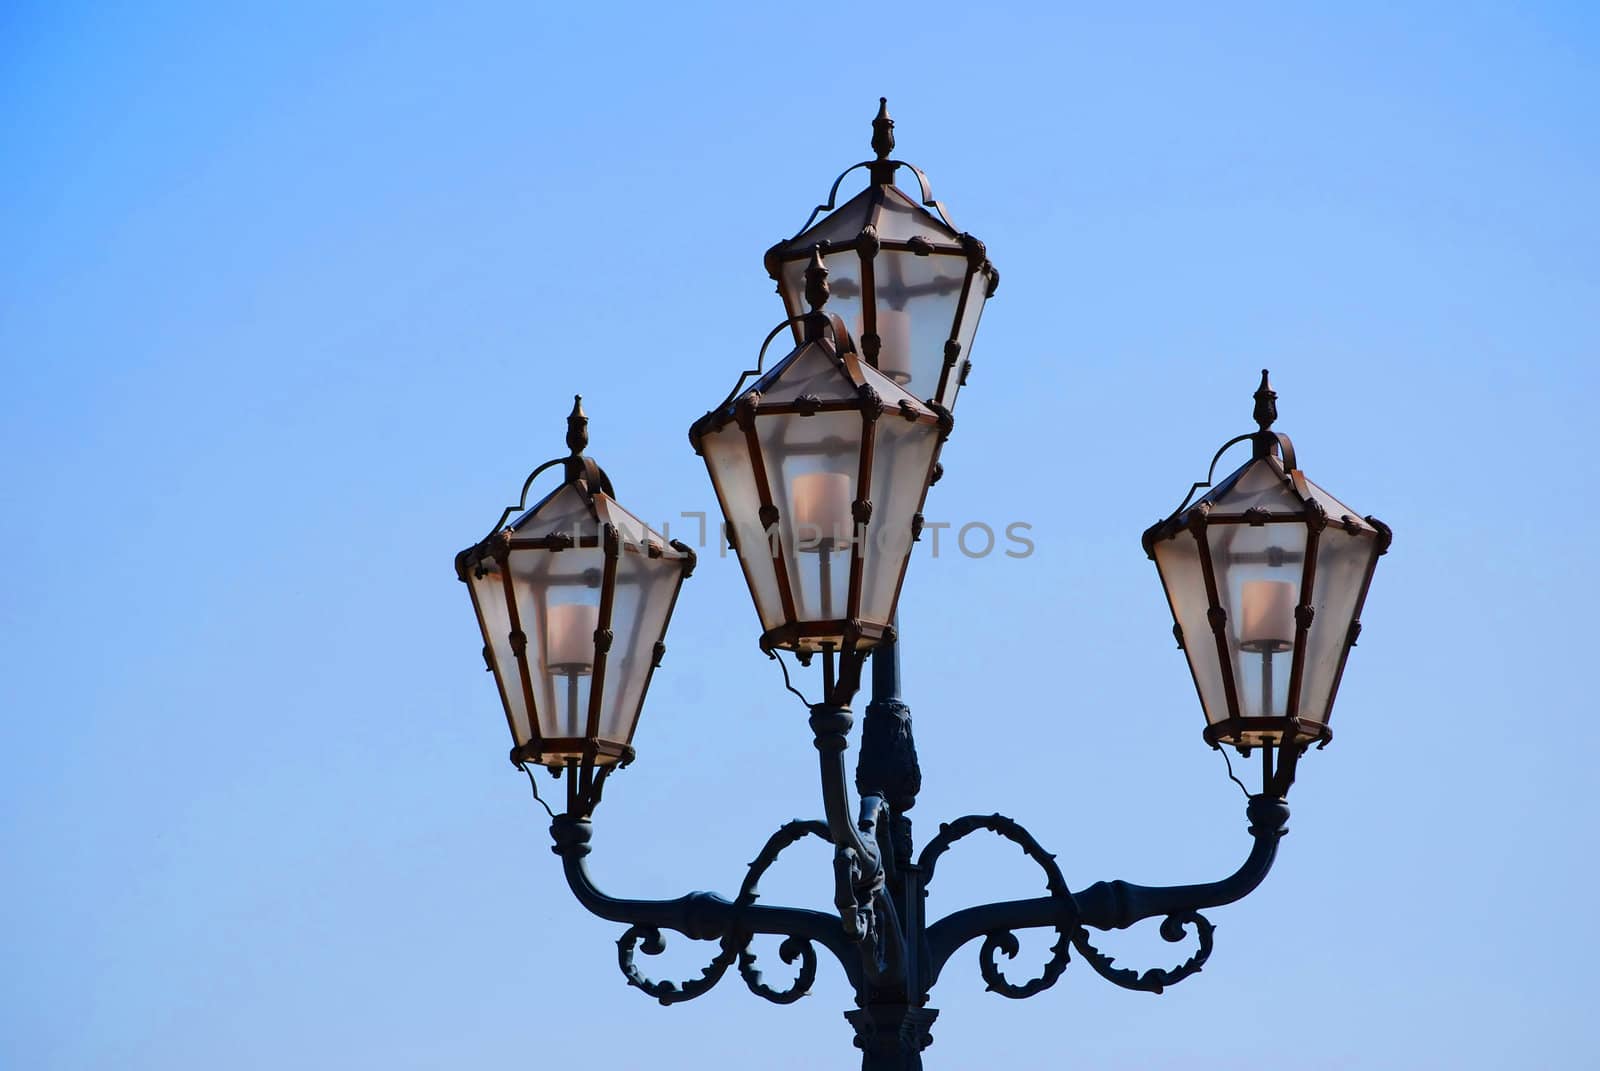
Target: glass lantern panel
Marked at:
916, 299
489, 597
640, 604
727, 456
1258, 571
1336, 510
563, 511
902, 457
966, 331
1178, 561
843, 224
1343, 559
1258, 484
558, 602
812, 463
632, 530
900, 218
811, 371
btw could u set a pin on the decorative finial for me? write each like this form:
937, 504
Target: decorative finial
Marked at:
816, 280
883, 130
577, 427
1266, 403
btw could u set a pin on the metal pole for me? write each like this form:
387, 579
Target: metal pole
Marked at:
892, 1027
888, 763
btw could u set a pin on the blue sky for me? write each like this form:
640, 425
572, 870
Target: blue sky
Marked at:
295, 295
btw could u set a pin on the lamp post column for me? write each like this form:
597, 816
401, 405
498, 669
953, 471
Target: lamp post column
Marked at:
892, 1024
887, 766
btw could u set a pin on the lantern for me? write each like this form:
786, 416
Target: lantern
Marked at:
821, 467
573, 598
1266, 575
904, 280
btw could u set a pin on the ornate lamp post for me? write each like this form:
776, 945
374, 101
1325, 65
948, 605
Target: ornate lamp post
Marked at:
821, 465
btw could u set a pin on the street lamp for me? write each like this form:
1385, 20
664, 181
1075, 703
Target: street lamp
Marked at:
905, 281
1266, 574
821, 465
573, 599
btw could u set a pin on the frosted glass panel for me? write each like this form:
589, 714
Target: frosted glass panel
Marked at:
1259, 484
902, 455
843, 224
1255, 567
967, 333
1343, 559
563, 511
811, 372
801, 454
550, 587
728, 460
1178, 560
900, 218
488, 596
643, 598
1336, 510
916, 300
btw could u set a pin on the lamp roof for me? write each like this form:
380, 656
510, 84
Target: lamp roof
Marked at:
1268, 488
573, 510
820, 374
891, 213
1263, 484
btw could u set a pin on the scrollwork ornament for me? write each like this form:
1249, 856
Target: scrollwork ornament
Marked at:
1004, 941
735, 947
648, 940
793, 948
1154, 980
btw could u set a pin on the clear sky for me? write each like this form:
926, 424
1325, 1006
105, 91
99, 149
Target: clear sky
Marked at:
294, 295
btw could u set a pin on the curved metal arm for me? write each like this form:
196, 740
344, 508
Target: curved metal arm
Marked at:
701, 916
858, 864
1114, 905
832, 728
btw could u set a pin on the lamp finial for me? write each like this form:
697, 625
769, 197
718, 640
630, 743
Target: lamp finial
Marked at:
883, 130
1266, 403
816, 280
577, 427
